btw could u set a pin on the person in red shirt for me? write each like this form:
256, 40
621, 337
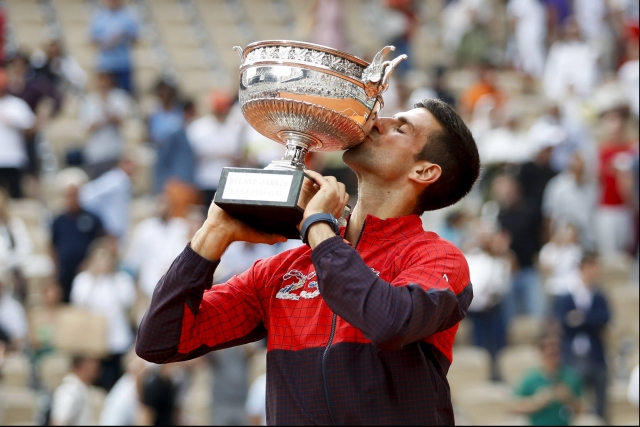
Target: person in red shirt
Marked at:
360, 321
615, 223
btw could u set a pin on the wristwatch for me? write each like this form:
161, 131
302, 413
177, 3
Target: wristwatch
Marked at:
319, 217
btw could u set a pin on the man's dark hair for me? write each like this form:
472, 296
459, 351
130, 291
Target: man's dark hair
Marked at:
454, 150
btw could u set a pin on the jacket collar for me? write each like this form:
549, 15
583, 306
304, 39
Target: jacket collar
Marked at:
398, 228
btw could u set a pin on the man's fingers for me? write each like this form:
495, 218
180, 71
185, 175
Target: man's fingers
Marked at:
319, 179
268, 238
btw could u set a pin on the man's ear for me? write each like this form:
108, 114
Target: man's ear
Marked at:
425, 173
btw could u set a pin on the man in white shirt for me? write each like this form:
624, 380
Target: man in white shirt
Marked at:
13, 319
109, 197
571, 198
216, 140
71, 403
102, 114
571, 66
156, 242
15, 118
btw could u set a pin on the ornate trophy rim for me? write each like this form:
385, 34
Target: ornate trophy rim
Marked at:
313, 46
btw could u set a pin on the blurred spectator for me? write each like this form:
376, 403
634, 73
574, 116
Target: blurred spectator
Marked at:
583, 314
15, 246
629, 77
551, 126
43, 99
529, 20
595, 18
167, 116
71, 403
13, 319
437, 89
570, 198
490, 265
216, 141
175, 158
239, 257
182, 198
505, 143
122, 404
3, 20
72, 231
328, 28
230, 385
110, 293
109, 197
158, 396
560, 260
557, 13
460, 17
256, 406
406, 15
549, 395
60, 68
520, 218
614, 217
42, 320
632, 392
114, 31
15, 118
102, 114
571, 65
454, 229
156, 242
485, 86
535, 174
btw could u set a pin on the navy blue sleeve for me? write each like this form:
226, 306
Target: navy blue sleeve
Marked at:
389, 315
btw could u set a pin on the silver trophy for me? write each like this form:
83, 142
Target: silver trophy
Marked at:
309, 98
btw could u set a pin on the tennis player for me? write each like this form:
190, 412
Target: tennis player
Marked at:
361, 320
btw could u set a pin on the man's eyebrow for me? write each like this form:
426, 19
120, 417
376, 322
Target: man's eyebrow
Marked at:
405, 121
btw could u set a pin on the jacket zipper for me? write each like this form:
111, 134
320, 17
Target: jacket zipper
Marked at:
326, 349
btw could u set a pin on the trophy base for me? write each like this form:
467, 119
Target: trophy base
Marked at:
267, 200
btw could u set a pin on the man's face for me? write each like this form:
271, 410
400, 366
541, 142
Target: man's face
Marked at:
390, 148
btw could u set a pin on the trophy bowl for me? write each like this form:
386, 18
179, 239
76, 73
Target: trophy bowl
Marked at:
309, 98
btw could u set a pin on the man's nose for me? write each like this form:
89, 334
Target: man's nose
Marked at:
382, 125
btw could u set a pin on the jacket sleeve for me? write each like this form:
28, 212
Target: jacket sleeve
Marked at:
189, 317
417, 304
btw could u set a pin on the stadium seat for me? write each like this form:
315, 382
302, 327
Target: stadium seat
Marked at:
80, 331
31, 211
515, 361
470, 365
52, 369
486, 403
15, 370
588, 420
621, 411
463, 335
624, 302
524, 330
18, 406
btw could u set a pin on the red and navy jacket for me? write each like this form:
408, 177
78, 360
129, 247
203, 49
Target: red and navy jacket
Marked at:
356, 335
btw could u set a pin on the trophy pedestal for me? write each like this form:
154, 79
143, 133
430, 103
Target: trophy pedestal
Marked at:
267, 200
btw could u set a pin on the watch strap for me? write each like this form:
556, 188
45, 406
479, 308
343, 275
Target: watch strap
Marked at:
319, 217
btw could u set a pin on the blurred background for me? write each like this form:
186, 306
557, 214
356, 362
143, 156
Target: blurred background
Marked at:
116, 118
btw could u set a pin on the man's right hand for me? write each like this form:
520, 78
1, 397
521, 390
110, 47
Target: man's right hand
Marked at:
221, 229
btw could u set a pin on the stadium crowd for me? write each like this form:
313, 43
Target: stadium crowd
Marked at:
549, 89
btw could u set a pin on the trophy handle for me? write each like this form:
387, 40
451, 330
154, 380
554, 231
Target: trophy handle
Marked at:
389, 66
239, 50
376, 76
